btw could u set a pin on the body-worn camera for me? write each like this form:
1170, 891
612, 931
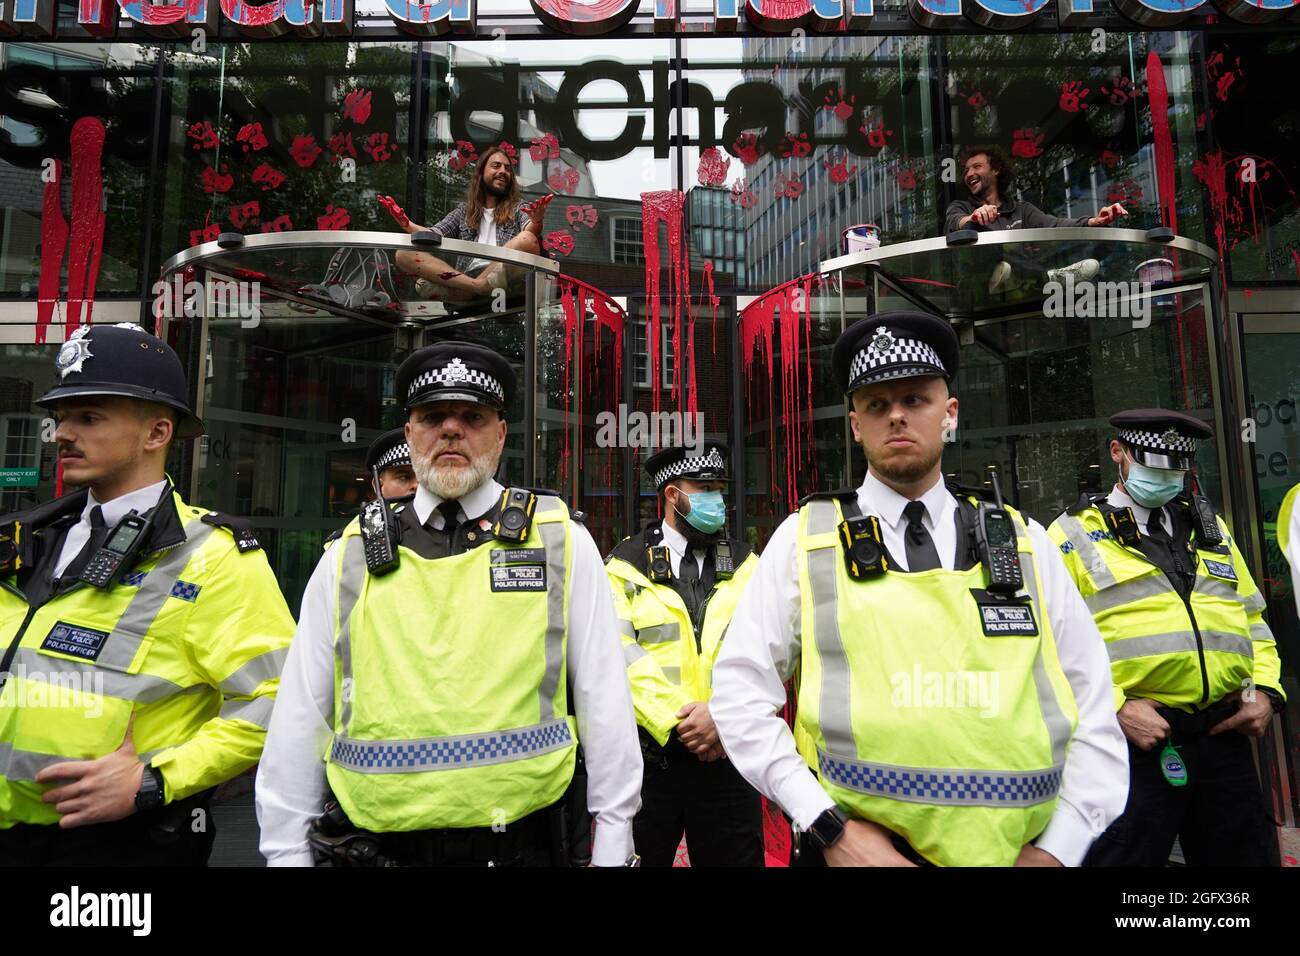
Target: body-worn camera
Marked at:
1123, 526
516, 515
660, 568
864, 550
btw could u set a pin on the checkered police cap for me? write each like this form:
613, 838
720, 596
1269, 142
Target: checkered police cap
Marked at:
397, 455
670, 463
456, 371
894, 345
456, 374
893, 358
1170, 441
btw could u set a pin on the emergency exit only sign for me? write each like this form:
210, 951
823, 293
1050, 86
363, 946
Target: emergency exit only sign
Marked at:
19, 477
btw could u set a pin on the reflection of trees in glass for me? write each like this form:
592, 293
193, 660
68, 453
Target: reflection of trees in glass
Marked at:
283, 110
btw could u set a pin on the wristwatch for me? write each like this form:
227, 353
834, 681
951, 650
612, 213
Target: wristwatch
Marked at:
1278, 700
150, 795
829, 827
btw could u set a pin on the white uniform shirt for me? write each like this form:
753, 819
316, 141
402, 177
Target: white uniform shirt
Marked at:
763, 646
291, 783
141, 500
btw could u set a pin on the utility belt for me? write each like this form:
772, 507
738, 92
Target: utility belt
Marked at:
560, 834
1183, 725
670, 754
167, 826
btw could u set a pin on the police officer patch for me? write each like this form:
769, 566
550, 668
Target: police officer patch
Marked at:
519, 577
1003, 618
75, 641
1221, 570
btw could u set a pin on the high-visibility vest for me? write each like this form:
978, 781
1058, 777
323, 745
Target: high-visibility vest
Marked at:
1284, 514
1181, 653
450, 697
941, 714
669, 663
189, 642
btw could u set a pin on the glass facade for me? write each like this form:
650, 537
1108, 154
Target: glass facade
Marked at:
701, 180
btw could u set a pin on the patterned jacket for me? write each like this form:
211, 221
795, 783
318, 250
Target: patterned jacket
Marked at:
454, 226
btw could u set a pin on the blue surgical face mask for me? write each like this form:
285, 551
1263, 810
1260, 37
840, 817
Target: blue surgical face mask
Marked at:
708, 511
1152, 487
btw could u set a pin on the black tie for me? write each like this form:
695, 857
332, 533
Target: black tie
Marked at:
1156, 527
921, 552
689, 570
450, 510
98, 535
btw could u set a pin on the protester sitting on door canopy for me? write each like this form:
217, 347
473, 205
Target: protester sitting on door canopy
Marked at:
492, 214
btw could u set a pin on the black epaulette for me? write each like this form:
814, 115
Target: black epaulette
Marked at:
240, 528
333, 536
538, 491
632, 548
838, 493
1085, 502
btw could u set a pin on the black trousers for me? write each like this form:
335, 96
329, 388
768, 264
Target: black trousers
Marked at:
1219, 817
173, 835
528, 842
721, 814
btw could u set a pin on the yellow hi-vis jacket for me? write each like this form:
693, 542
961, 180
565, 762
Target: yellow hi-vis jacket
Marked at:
189, 643
669, 659
1181, 653
924, 703
450, 697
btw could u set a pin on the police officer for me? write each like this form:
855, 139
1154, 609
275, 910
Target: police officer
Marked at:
1195, 668
142, 637
1288, 538
392, 456
675, 587
430, 662
953, 698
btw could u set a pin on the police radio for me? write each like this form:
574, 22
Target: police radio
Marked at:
1208, 534
117, 553
379, 532
516, 515
660, 568
864, 548
995, 543
724, 566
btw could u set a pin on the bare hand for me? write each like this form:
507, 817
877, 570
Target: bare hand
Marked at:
865, 844
1030, 855
697, 730
396, 211
537, 212
1142, 724
95, 791
1252, 717
1108, 214
985, 215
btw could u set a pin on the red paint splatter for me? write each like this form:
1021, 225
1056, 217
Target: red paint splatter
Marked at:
1296, 256
379, 148
742, 195
977, 100
204, 136
1073, 93
780, 323
747, 148
241, 215
666, 207
54, 239
577, 299
839, 169
304, 150
579, 215
796, 147
461, 155
252, 137
564, 179
217, 181
906, 179
205, 234
1027, 143
547, 147
510, 151
86, 247
356, 106
714, 301
1158, 97
837, 102
712, 170
877, 136
278, 224
1222, 78
788, 187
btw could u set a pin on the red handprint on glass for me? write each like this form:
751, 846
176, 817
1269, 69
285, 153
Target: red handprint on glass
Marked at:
563, 179
333, 218
215, 181
1027, 143
906, 179
842, 107
1125, 192
206, 234
796, 147
788, 187
558, 241
747, 148
268, 177
877, 136
340, 144
304, 150
510, 151
251, 135
581, 215
356, 106
278, 224
1120, 92
839, 170
378, 148
1073, 93
713, 167
742, 195
547, 147
242, 214
204, 136
461, 155
977, 100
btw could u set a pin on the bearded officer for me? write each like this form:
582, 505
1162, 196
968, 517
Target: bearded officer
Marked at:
433, 680
1195, 667
142, 637
953, 701
675, 587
